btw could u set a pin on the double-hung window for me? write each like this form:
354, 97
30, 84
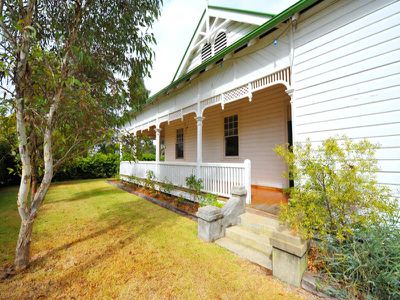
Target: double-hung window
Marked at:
231, 133
179, 143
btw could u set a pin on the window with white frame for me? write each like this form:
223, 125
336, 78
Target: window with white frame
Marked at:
179, 143
231, 133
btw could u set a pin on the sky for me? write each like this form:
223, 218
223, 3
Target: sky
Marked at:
175, 27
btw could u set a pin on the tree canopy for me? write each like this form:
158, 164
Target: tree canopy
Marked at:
64, 67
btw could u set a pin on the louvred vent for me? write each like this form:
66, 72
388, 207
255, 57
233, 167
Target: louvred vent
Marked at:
206, 52
220, 42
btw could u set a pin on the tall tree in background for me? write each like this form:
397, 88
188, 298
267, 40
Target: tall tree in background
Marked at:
60, 59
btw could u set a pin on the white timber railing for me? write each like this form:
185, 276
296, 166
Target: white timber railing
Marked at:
218, 178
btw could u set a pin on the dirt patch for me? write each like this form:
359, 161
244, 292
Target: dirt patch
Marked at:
176, 204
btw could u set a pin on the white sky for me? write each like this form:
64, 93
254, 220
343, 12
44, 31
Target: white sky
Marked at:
175, 27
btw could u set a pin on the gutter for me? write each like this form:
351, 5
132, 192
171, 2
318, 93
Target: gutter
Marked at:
243, 11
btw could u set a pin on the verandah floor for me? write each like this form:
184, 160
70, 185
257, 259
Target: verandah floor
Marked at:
267, 199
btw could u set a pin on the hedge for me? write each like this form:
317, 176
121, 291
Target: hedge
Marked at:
98, 165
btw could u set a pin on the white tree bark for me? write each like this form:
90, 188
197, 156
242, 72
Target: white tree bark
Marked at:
24, 237
28, 209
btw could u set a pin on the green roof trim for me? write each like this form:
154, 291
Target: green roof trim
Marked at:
298, 6
244, 11
187, 48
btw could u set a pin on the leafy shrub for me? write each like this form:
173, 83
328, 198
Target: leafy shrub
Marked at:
180, 200
148, 157
366, 265
335, 188
98, 165
167, 186
196, 185
210, 199
150, 181
336, 198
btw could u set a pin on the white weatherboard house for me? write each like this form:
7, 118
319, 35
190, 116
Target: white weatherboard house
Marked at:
249, 81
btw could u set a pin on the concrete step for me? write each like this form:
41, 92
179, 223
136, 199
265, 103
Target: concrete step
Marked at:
248, 253
259, 224
250, 239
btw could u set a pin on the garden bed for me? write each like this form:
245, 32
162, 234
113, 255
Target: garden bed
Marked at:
177, 204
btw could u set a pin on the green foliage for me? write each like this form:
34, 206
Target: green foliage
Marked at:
335, 188
137, 147
195, 185
98, 165
148, 157
367, 264
167, 186
138, 93
150, 181
8, 165
75, 57
336, 198
9, 159
180, 200
210, 199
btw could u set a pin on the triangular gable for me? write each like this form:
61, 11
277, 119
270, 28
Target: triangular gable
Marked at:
213, 21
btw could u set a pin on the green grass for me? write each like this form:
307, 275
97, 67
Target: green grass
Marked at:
9, 223
92, 240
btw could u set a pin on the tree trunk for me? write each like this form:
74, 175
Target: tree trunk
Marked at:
22, 254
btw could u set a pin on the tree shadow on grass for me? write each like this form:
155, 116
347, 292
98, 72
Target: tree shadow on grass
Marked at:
42, 256
92, 193
129, 214
138, 216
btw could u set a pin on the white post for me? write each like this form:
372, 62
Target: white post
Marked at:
120, 149
158, 135
134, 145
290, 92
247, 178
199, 120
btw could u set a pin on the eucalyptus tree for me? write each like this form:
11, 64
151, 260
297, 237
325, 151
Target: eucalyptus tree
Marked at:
61, 64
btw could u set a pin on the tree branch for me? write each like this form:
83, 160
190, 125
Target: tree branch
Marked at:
7, 90
3, 26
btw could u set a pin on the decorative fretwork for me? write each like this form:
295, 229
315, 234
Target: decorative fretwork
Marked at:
236, 94
163, 119
276, 77
282, 76
175, 115
210, 101
189, 109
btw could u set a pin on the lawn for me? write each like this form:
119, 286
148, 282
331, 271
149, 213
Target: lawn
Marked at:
92, 240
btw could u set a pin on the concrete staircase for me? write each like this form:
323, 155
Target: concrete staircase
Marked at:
251, 238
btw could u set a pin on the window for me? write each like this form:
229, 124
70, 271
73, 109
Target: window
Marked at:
231, 136
179, 143
220, 42
206, 52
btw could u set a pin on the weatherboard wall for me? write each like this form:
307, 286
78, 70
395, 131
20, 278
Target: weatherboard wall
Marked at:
347, 77
262, 126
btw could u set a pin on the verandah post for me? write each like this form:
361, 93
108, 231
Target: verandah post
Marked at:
247, 179
199, 161
158, 136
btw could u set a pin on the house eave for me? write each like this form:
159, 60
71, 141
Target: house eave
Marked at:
281, 17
